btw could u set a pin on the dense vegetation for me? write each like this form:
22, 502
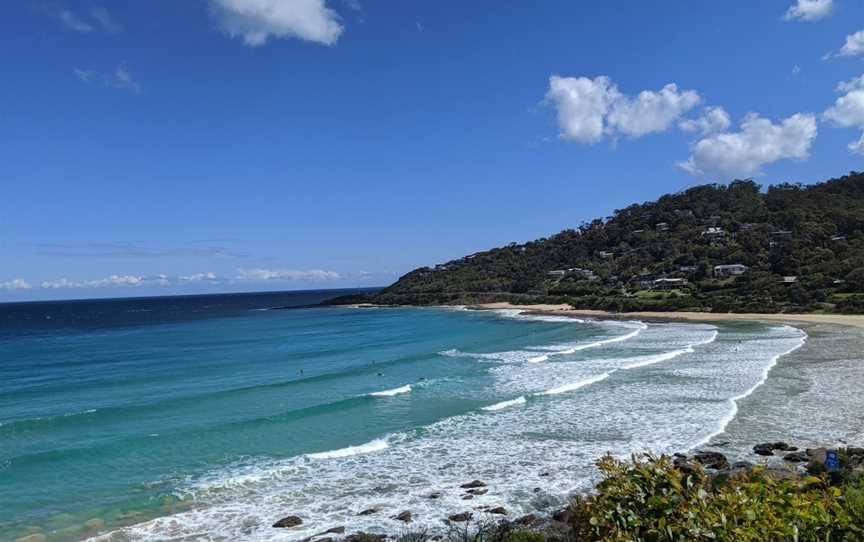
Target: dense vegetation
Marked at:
803, 247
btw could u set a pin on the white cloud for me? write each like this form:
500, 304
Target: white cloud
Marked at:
199, 277
712, 119
287, 274
73, 21
809, 10
758, 143
848, 110
121, 78
854, 44
591, 109
105, 20
256, 21
113, 280
15, 284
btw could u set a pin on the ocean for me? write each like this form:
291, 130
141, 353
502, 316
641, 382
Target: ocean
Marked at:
211, 417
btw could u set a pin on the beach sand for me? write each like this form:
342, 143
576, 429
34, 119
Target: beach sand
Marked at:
855, 320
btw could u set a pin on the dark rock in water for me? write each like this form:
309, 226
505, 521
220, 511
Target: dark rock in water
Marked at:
529, 519
679, 455
721, 444
287, 522
368, 512
764, 449
561, 515
741, 465
544, 474
335, 530
364, 537
796, 457
477, 491
792, 449
467, 497
460, 517
498, 510
472, 485
712, 460
435, 495
782, 446
852, 451
536, 490
403, 516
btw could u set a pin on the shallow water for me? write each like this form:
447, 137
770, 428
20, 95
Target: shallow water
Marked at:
212, 428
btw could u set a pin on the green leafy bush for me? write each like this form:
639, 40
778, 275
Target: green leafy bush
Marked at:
649, 499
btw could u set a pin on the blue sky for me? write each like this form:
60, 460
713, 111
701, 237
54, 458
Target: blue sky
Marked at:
170, 147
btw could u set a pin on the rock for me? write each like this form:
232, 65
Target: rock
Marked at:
38, 537
500, 510
536, 490
544, 474
796, 457
851, 451
742, 465
467, 497
764, 449
435, 495
561, 515
403, 516
528, 519
364, 537
477, 491
335, 530
368, 512
460, 517
817, 456
782, 446
712, 460
473, 484
288, 522
792, 448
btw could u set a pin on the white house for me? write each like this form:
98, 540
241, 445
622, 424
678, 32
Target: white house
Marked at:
730, 270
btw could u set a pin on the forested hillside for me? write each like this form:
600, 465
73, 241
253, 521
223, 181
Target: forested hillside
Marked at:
801, 248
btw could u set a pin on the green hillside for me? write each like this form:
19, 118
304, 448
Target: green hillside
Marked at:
802, 248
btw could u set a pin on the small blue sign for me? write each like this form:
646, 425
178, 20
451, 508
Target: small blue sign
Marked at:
832, 460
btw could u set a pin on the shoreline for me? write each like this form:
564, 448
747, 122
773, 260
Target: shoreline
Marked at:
853, 320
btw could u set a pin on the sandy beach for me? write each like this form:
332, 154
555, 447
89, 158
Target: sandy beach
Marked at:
854, 320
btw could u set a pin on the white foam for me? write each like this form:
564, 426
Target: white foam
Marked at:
506, 404
538, 359
733, 401
374, 446
576, 385
390, 393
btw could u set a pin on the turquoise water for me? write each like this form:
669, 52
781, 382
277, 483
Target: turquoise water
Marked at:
214, 426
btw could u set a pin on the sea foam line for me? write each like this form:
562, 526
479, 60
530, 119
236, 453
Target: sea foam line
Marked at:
733, 401
390, 393
373, 446
506, 404
576, 385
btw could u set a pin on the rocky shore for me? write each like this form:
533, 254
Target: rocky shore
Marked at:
778, 460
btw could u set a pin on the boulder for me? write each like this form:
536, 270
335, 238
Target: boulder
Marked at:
335, 530
477, 491
796, 457
467, 497
367, 512
288, 522
742, 465
403, 516
473, 484
712, 460
817, 457
561, 515
435, 495
782, 446
500, 510
764, 449
460, 517
364, 537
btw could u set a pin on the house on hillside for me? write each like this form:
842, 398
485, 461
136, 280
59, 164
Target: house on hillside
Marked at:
662, 226
714, 234
789, 280
838, 237
730, 270
605, 255
576, 272
665, 283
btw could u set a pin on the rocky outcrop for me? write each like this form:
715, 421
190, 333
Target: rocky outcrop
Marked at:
460, 517
288, 522
712, 460
473, 484
500, 510
368, 512
404, 516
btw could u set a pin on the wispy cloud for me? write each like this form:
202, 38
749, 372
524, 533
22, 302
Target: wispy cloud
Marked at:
15, 284
287, 274
197, 249
120, 78
97, 19
848, 110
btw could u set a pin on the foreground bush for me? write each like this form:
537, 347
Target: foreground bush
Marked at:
651, 500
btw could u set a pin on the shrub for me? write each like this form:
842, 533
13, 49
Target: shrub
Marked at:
649, 499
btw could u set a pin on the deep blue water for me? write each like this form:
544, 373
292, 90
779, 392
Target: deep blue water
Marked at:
206, 417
